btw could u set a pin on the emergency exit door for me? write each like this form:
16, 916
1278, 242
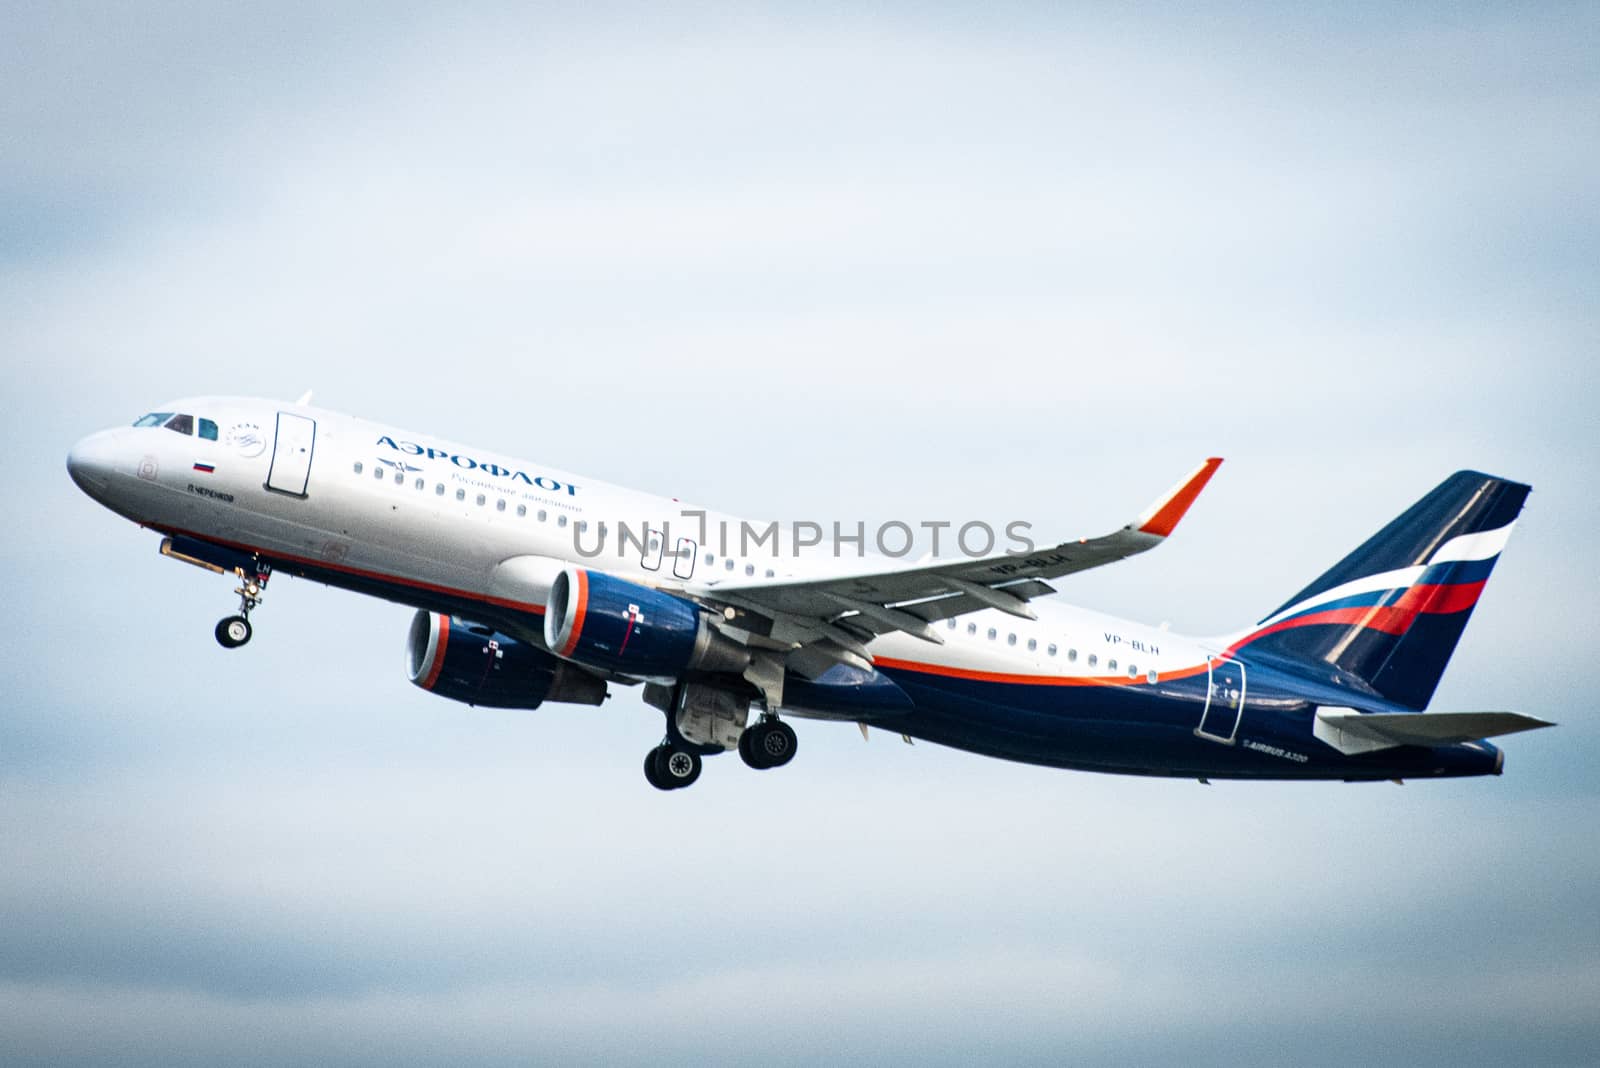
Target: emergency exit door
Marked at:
293, 446
1224, 700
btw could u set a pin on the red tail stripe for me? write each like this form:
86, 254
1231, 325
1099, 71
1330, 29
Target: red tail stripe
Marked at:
1442, 599
1390, 619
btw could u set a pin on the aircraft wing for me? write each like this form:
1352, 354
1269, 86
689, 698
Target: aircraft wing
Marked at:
836, 616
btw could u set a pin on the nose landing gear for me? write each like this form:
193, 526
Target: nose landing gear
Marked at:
234, 631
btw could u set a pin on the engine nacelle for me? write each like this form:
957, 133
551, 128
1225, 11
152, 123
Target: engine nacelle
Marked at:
605, 622
476, 664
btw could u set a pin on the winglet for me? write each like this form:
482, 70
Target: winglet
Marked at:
1162, 517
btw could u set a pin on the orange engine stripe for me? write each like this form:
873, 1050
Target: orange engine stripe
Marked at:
438, 653
578, 613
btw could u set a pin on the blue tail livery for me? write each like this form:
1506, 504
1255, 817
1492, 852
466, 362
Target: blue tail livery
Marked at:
1390, 613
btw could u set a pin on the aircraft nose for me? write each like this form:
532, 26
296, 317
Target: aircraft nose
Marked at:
92, 461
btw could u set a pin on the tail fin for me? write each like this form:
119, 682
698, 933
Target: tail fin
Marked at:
1391, 612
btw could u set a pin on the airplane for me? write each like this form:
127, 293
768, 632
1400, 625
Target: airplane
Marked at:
534, 584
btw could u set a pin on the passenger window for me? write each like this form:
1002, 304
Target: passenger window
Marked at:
1133, 672
750, 569
561, 520
358, 467
993, 634
461, 494
711, 558
1093, 660
1011, 639
1052, 649
153, 419
522, 510
377, 473
951, 622
438, 489
727, 565
1111, 665
421, 485
1033, 645
500, 505
1152, 676
972, 628
773, 574
181, 424
543, 515
399, 478
1072, 656
208, 430
482, 500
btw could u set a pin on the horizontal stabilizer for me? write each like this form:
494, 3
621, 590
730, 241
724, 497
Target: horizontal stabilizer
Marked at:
1353, 732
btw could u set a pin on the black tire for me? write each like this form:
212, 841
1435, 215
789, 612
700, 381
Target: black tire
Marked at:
677, 767
777, 744
233, 632
750, 746
650, 773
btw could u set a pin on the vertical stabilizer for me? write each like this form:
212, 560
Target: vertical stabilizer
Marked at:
1392, 612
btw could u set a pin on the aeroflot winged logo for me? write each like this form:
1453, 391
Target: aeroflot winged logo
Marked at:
467, 463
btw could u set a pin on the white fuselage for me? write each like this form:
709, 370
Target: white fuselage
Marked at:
411, 512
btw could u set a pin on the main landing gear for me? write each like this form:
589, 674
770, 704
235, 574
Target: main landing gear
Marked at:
668, 767
768, 743
234, 631
677, 761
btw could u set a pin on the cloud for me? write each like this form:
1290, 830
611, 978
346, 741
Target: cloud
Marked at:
1032, 263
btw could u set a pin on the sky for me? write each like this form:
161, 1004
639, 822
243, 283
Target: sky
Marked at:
1009, 261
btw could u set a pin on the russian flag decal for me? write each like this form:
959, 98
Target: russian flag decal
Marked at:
204, 469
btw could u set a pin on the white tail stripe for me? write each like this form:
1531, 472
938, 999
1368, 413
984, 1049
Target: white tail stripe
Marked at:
1389, 580
1483, 545
1479, 546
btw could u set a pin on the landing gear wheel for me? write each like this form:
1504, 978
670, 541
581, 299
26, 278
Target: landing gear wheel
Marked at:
769, 744
670, 768
678, 767
233, 632
650, 774
778, 744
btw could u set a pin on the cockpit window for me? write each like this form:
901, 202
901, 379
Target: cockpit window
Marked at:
208, 430
181, 424
153, 419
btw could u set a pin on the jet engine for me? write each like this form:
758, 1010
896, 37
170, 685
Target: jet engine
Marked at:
609, 623
476, 664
